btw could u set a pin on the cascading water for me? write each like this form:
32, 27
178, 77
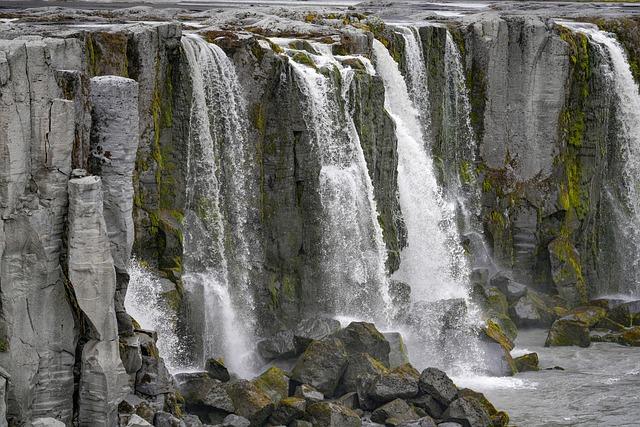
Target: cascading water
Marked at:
146, 303
217, 208
626, 200
433, 261
353, 251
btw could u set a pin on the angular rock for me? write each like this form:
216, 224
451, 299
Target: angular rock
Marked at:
361, 368
631, 337
527, 362
165, 419
589, 315
322, 365
438, 385
314, 329
467, 412
328, 414
300, 423
397, 409
566, 331
422, 422
280, 346
137, 421
362, 337
153, 378
308, 393
626, 313
398, 354
130, 354
510, 288
205, 397
531, 311
250, 401
274, 382
609, 325
192, 421
217, 370
428, 404
401, 382
233, 420
288, 410
498, 418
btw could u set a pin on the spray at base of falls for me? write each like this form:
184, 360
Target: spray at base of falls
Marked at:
146, 303
353, 251
439, 327
217, 209
626, 202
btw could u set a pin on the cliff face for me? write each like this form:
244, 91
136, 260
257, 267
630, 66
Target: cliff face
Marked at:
93, 168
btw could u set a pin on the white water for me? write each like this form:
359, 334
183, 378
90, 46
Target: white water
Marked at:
628, 128
433, 262
353, 251
215, 220
146, 304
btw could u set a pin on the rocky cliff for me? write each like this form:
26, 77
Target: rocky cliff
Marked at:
93, 129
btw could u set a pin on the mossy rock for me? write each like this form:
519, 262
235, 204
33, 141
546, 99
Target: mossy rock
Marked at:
527, 362
506, 325
274, 382
589, 315
496, 301
609, 325
329, 414
363, 337
631, 337
321, 365
568, 332
499, 418
361, 367
288, 410
496, 333
250, 401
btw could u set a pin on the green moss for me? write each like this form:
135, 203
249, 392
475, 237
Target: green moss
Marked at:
4, 345
304, 58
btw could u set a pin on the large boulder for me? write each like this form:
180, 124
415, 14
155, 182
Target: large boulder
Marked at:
527, 362
217, 370
428, 404
531, 310
512, 290
438, 385
626, 313
279, 346
400, 382
313, 329
250, 401
322, 365
361, 368
205, 397
274, 382
329, 414
154, 378
287, 410
589, 315
631, 337
498, 418
363, 337
394, 412
467, 412
567, 331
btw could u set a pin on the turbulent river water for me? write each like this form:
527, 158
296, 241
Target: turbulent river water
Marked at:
599, 386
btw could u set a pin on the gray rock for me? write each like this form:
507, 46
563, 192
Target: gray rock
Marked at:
217, 370
279, 346
321, 365
308, 393
192, 421
250, 401
314, 328
137, 421
350, 400
510, 288
567, 331
467, 412
328, 414
165, 419
401, 382
288, 410
130, 354
397, 409
362, 337
427, 403
398, 354
422, 422
233, 420
153, 378
450, 424
300, 423
204, 394
438, 385
361, 368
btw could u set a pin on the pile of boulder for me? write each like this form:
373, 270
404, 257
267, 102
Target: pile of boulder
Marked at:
602, 320
323, 375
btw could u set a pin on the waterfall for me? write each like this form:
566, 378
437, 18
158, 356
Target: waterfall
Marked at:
626, 199
146, 303
216, 255
353, 251
433, 261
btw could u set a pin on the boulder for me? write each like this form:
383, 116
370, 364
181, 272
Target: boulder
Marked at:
567, 331
233, 420
279, 346
631, 337
397, 409
428, 404
496, 301
137, 421
153, 378
322, 365
498, 418
329, 414
250, 401
350, 400
363, 337
467, 412
479, 276
205, 397
308, 393
287, 410
438, 385
217, 370
532, 311
626, 313
398, 354
300, 423
589, 315
314, 329
361, 367
505, 324
192, 421
606, 303
401, 382
422, 422
274, 382
609, 325
494, 331
165, 419
527, 362
130, 354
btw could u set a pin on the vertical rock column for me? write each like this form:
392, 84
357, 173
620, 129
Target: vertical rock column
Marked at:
114, 143
103, 380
